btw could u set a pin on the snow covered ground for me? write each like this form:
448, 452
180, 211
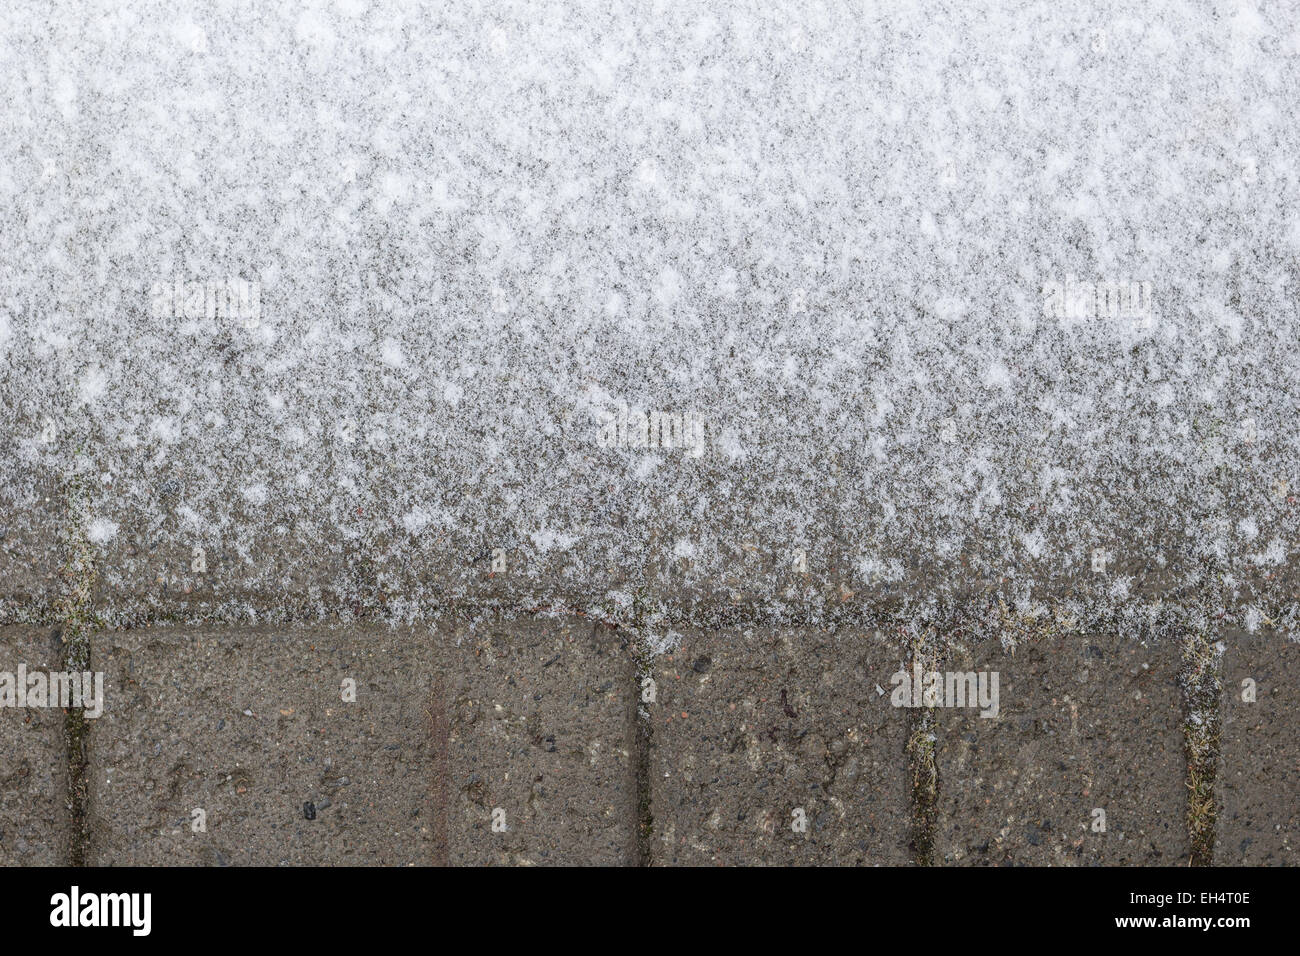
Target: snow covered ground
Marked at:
866, 247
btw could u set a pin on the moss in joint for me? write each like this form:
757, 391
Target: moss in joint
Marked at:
1201, 681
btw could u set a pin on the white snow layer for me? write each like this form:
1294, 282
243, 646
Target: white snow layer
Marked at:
367, 280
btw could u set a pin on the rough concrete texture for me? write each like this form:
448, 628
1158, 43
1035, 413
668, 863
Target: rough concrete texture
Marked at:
540, 713
250, 725
35, 826
750, 726
1259, 769
1083, 724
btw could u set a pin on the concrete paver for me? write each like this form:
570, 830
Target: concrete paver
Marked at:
1083, 725
35, 827
1258, 781
759, 732
539, 755
251, 725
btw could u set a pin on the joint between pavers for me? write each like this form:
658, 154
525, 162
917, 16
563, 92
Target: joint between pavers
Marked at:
639, 732
77, 622
1201, 680
921, 758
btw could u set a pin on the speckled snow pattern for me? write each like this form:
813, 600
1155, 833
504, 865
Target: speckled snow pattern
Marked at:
480, 232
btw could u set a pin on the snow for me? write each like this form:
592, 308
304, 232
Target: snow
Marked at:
826, 229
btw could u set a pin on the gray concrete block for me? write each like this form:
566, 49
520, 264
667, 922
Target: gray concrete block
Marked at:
1258, 781
34, 820
249, 725
540, 713
751, 726
1083, 724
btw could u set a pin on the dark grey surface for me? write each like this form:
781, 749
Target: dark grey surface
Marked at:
750, 725
249, 724
31, 515
539, 712
35, 826
1259, 768
539, 716
1083, 724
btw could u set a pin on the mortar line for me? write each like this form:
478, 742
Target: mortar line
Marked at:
922, 766
439, 738
642, 739
1202, 682
76, 626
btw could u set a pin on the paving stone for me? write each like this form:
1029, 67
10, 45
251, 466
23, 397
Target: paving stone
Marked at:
540, 712
35, 827
752, 726
1083, 724
1259, 771
250, 725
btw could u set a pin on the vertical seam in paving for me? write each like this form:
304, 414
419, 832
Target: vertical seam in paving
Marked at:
642, 733
439, 740
1201, 681
76, 625
924, 783
640, 738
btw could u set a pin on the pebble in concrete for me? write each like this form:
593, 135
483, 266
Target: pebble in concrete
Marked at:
776, 747
265, 746
1259, 772
1085, 727
34, 822
540, 760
